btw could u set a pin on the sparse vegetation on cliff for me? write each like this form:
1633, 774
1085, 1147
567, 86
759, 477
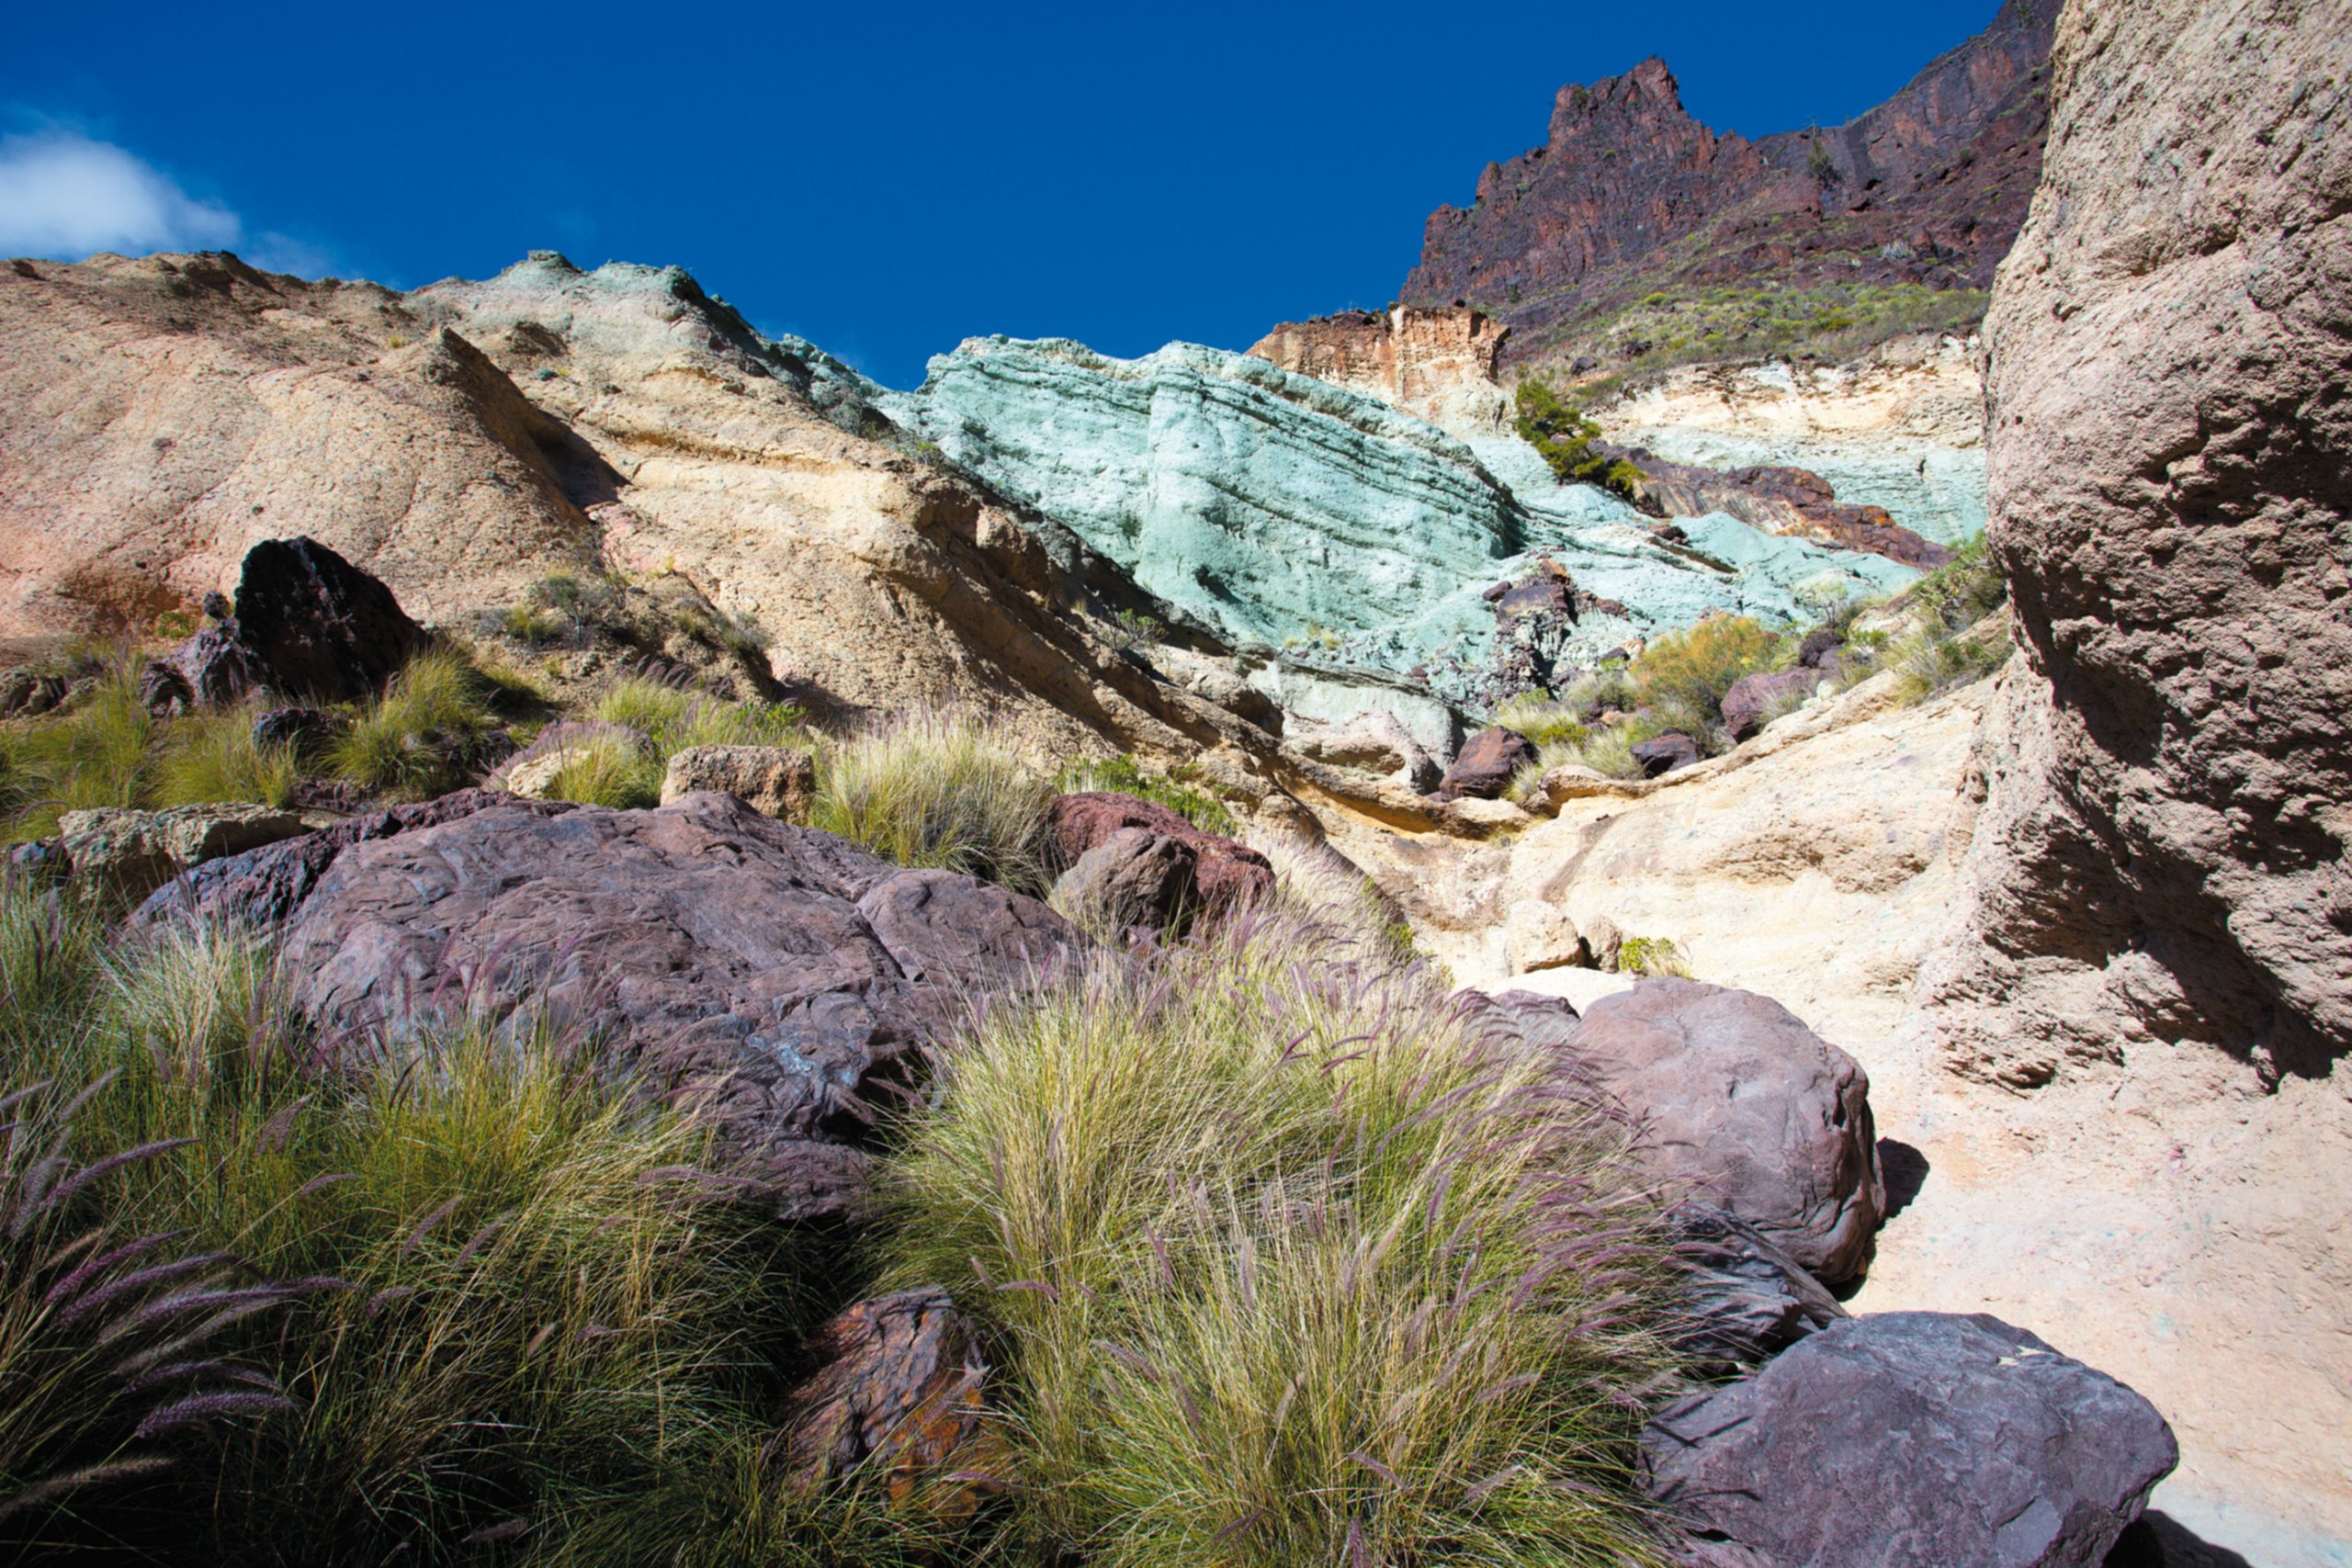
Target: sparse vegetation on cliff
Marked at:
1563, 436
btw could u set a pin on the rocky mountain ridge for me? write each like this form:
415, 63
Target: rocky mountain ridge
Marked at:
1629, 196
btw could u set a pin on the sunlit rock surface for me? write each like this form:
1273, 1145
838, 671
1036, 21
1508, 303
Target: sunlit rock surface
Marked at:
1288, 511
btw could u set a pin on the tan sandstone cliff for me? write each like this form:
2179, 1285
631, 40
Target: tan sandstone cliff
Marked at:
2169, 784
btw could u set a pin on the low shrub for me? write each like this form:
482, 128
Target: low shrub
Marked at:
1541, 720
1284, 1265
1122, 775
1684, 674
510, 1307
1563, 437
1651, 955
424, 735
933, 790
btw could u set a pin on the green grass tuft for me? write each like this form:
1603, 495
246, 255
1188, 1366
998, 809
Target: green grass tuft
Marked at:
1286, 1267
933, 790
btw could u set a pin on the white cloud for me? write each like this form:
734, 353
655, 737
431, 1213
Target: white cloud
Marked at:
65, 196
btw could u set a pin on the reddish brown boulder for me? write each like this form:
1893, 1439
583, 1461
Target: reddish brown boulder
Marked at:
1486, 764
1754, 699
1910, 1440
1134, 878
790, 976
897, 1395
1665, 753
1741, 1101
1227, 873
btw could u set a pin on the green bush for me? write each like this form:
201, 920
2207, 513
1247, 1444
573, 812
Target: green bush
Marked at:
933, 790
1284, 1266
1651, 955
512, 1315
1686, 673
1563, 438
1122, 775
1543, 721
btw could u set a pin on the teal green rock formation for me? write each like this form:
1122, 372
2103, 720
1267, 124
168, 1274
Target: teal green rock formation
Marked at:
1286, 512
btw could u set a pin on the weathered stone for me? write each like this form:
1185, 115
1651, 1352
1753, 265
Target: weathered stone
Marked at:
1630, 194
1437, 364
310, 624
1759, 1115
1574, 780
896, 1397
1488, 762
1665, 753
1373, 741
791, 975
296, 727
1227, 874
776, 781
2169, 772
1742, 1301
262, 889
1910, 1440
1539, 935
162, 689
1753, 700
25, 692
131, 854
217, 667
1134, 878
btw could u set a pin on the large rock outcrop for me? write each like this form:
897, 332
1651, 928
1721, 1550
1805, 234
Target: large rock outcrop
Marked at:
1287, 512
785, 973
1910, 1440
1435, 363
2169, 776
1629, 194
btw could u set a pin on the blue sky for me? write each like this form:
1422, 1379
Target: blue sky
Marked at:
885, 180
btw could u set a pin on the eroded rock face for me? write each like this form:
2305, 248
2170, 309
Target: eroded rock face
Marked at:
712, 945
1910, 1440
131, 854
897, 1395
1928, 188
2170, 776
1741, 1101
1436, 363
1134, 878
1227, 873
1489, 761
775, 780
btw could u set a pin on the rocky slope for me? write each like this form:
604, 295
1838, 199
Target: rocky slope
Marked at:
2170, 780
1629, 196
1282, 509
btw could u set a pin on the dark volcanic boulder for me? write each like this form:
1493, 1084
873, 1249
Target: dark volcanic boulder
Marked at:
1739, 1099
895, 1395
296, 727
263, 887
790, 976
1134, 878
310, 624
1488, 763
1227, 874
1743, 1301
1753, 699
1664, 754
216, 667
1910, 1440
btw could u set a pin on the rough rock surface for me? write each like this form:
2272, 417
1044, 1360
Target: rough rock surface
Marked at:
1134, 878
2170, 776
1743, 1301
1434, 362
786, 971
1374, 741
1737, 1098
775, 780
1629, 194
1282, 509
1489, 761
1749, 702
1663, 754
897, 1395
1816, 864
308, 624
263, 887
1779, 500
1227, 874
1910, 1440
131, 854
1901, 428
